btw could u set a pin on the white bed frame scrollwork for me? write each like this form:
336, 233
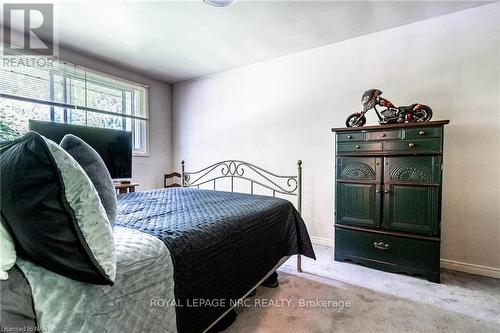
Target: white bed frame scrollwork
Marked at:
286, 185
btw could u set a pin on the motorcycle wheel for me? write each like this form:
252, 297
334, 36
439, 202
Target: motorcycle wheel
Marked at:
423, 114
355, 120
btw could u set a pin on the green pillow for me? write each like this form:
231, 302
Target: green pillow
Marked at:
95, 168
54, 212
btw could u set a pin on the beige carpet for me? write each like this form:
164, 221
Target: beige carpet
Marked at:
366, 300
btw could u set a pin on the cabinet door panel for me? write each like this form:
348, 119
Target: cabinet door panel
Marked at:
413, 170
359, 169
411, 208
358, 191
358, 204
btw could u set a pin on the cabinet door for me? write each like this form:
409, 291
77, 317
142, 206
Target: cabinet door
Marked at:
358, 191
412, 194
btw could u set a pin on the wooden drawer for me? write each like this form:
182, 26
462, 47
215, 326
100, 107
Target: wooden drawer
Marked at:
359, 147
409, 252
351, 136
384, 135
423, 133
413, 145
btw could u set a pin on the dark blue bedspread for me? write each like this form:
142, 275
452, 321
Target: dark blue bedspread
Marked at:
221, 243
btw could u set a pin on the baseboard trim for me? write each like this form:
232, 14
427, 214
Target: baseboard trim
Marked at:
322, 241
445, 263
470, 268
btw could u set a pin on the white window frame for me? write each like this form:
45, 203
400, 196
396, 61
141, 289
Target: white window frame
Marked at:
127, 84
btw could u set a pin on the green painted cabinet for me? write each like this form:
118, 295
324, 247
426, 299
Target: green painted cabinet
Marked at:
388, 196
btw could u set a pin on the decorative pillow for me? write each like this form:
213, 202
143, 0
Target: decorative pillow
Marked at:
7, 252
53, 211
95, 168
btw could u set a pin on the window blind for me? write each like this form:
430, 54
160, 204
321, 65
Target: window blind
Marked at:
65, 92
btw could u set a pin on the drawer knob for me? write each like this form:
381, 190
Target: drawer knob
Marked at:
349, 136
381, 245
386, 191
383, 135
358, 146
421, 132
411, 145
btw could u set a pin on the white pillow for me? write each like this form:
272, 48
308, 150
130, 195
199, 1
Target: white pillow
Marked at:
7, 253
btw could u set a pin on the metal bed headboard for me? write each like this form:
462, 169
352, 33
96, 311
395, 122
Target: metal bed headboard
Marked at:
287, 185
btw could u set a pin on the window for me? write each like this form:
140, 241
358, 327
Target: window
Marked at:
71, 94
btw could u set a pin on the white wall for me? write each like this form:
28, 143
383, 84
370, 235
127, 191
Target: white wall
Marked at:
275, 112
147, 171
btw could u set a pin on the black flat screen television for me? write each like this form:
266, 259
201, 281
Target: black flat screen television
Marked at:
114, 146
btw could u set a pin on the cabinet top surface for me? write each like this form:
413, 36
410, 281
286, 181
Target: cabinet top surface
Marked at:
389, 126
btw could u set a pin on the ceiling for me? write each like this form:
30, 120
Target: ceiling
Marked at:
179, 40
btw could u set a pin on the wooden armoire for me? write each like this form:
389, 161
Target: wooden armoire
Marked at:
388, 196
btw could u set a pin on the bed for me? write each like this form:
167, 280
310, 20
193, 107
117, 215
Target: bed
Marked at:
185, 256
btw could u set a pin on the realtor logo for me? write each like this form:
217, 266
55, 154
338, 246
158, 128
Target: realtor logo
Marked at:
28, 27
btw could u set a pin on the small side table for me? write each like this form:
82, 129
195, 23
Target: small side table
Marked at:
125, 187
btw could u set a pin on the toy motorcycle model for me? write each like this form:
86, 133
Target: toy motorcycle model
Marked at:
391, 114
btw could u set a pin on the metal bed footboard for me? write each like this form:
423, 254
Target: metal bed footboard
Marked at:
286, 185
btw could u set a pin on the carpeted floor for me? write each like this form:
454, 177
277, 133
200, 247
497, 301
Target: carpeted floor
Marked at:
353, 298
